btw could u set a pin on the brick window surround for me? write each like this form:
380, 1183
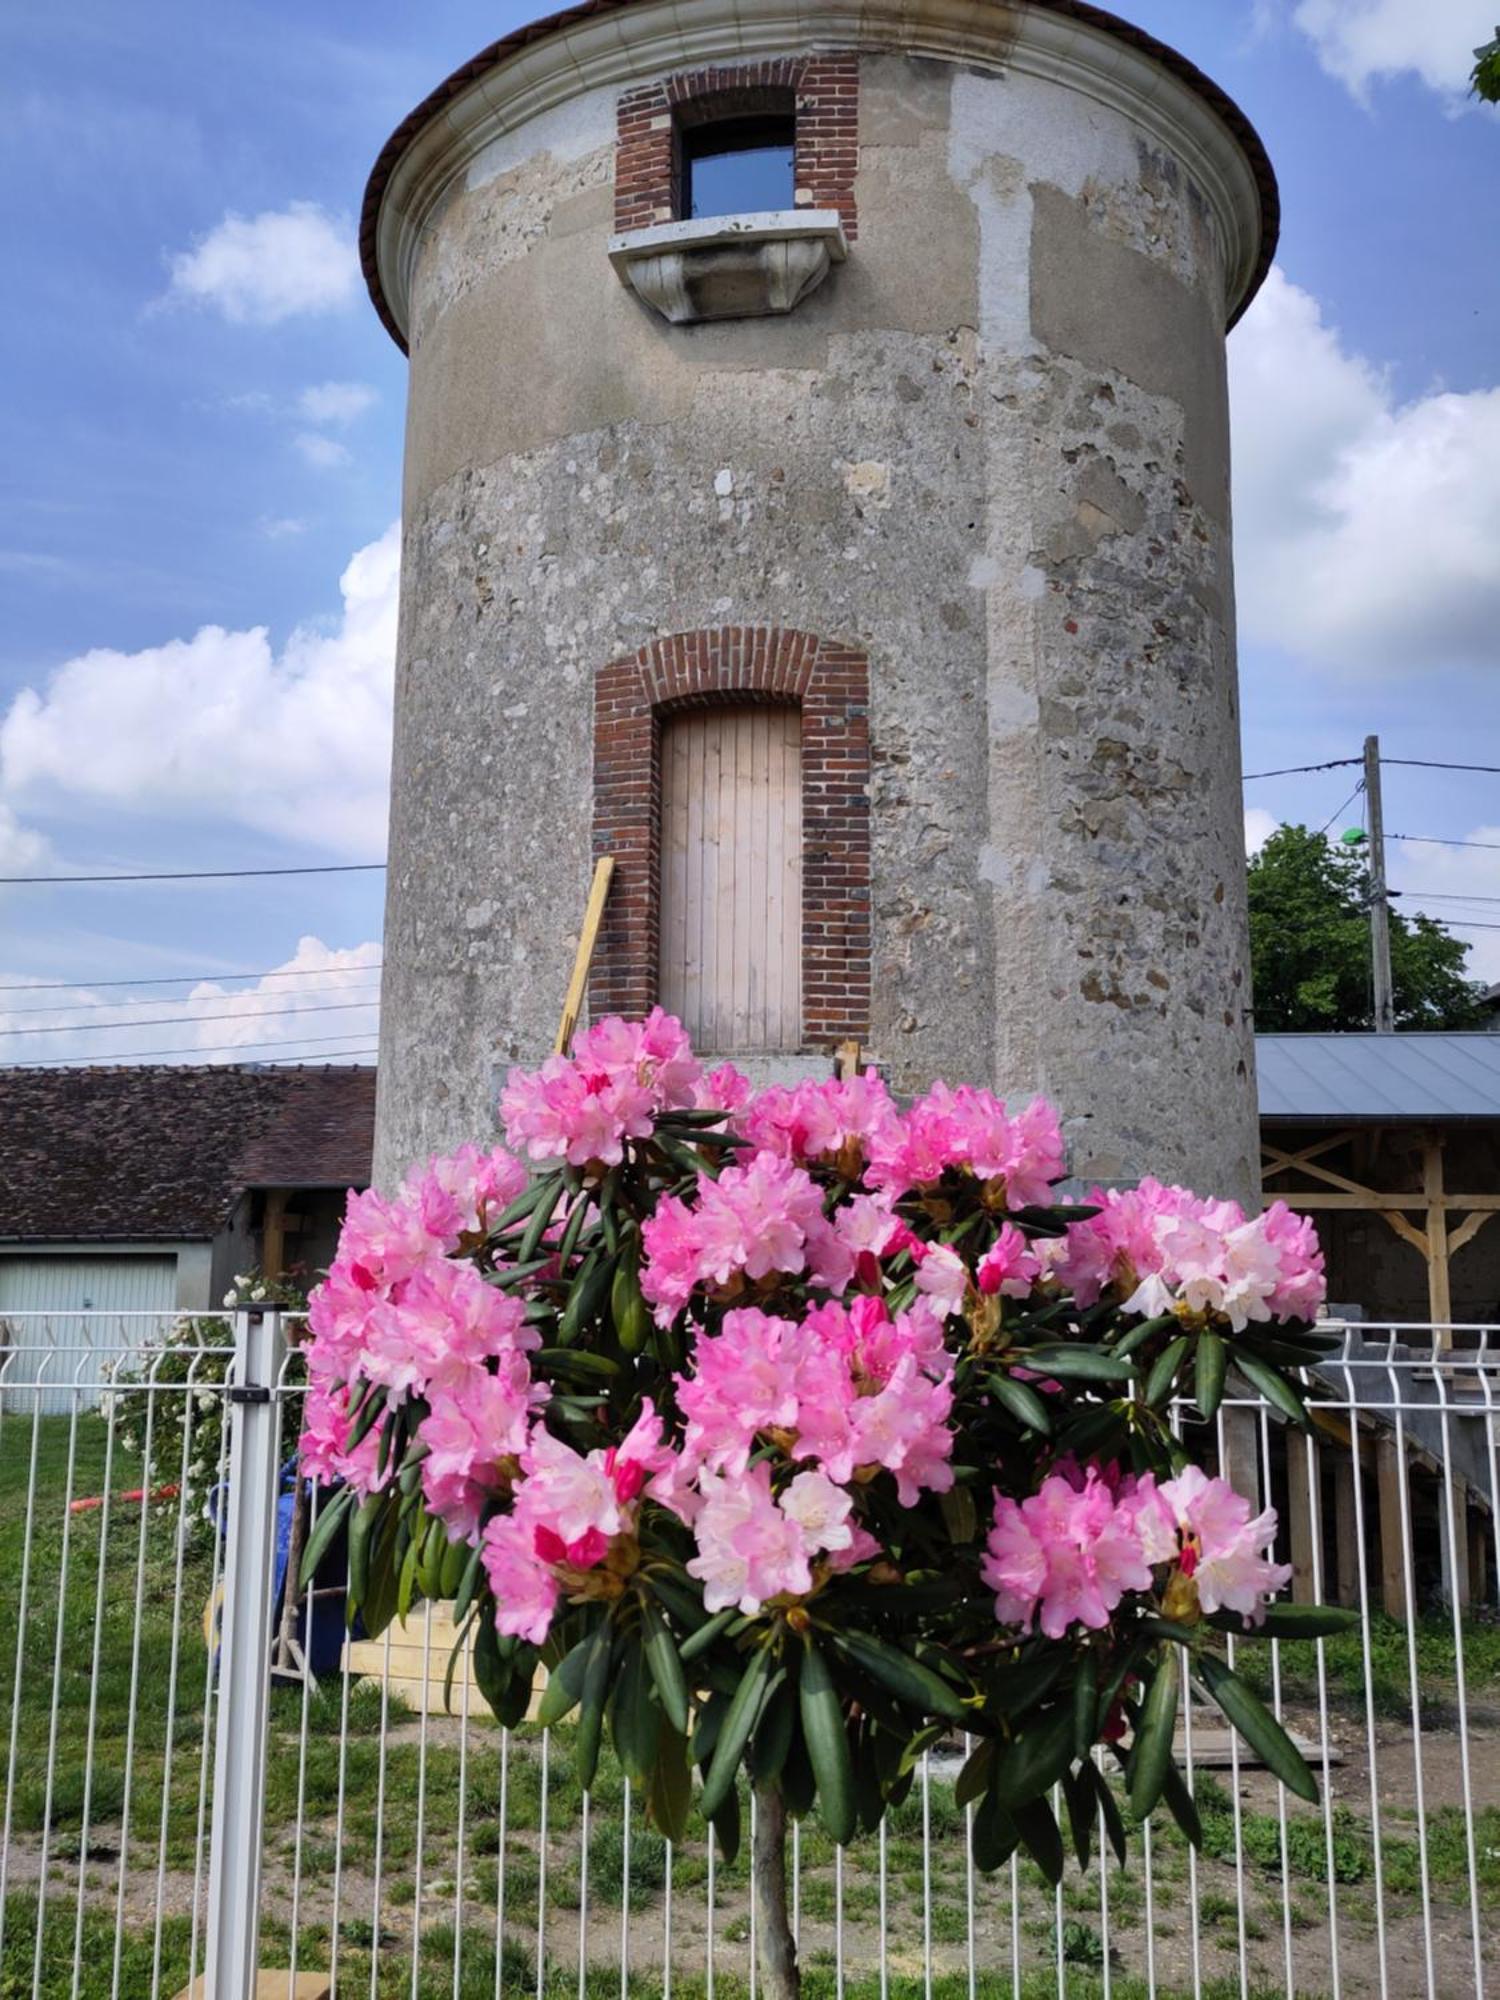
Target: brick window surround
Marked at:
830, 684
823, 90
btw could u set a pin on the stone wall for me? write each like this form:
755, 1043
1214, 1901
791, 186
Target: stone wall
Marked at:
990, 453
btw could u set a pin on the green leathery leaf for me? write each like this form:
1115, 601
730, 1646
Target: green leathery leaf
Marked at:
369, 1411
1181, 1806
328, 1524
430, 1562
773, 1733
406, 1579
541, 1215
453, 1568
492, 1668
959, 1515
903, 1676
635, 1719
379, 1604
564, 1689
1290, 1621
734, 1733
360, 1530
798, 1785
1041, 1837
517, 1697
576, 1361
1035, 1761
669, 1791
1023, 1402
1085, 1705
1151, 1753
700, 1641
1114, 1824
1075, 1362
1078, 1795
1164, 1370
1274, 1386
1258, 1726
572, 1230
1209, 1363
586, 1295
973, 1780
666, 1667
1139, 1335
468, 1583
521, 1207
591, 1706
994, 1837
628, 1309
725, 1821
827, 1743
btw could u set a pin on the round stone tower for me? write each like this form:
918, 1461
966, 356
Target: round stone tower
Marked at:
817, 498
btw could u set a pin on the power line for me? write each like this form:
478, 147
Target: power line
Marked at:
201, 874
1447, 896
1433, 764
163, 1000
1296, 770
1437, 840
224, 1049
1338, 809
184, 978
176, 1021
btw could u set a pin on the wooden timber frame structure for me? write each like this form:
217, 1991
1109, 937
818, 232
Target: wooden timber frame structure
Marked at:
1435, 1221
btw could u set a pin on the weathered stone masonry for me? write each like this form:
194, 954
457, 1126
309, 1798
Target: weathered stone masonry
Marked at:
987, 458
830, 686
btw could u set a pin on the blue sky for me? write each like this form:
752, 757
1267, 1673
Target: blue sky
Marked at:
201, 445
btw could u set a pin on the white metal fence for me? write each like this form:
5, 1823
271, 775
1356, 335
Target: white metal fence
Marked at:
179, 1795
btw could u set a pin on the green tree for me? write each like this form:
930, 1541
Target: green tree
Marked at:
1310, 946
1484, 78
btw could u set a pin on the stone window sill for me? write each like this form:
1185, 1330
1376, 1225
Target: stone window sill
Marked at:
730, 266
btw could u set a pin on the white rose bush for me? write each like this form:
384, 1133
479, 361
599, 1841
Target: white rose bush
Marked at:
797, 1430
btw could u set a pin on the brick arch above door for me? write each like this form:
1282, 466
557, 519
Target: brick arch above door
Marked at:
829, 683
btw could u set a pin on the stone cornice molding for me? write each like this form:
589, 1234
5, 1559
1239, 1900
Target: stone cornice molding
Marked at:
613, 43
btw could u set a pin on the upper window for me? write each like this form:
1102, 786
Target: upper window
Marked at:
738, 166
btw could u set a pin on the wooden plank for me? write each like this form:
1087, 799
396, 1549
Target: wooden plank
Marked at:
1304, 1516
731, 878
1391, 1488
588, 937
1241, 1451
274, 1985
1382, 1199
1346, 1532
1439, 1293
1454, 1537
1467, 1230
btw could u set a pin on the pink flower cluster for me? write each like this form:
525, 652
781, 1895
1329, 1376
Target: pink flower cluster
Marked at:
1074, 1549
969, 1129
755, 1546
848, 1388
1161, 1248
621, 1076
399, 1312
762, 1217
835, 1122
571, 1512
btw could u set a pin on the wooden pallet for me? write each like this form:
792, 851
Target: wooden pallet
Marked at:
414, 1664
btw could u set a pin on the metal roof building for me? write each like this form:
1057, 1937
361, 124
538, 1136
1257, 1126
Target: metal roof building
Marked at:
1378, 1078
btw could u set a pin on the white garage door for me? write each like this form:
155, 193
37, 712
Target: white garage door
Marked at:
60, 1317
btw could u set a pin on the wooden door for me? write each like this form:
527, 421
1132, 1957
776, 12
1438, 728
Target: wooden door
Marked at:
731, 877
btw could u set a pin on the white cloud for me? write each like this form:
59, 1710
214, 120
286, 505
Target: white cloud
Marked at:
163, 732
320, 1003
279, 527
259, 270
1457, 885
22, 852
1259, 826
1363, 41
323, 453
1367, 530
336, 402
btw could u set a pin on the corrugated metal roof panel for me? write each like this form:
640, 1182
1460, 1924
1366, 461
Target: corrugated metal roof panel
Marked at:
1378, 1077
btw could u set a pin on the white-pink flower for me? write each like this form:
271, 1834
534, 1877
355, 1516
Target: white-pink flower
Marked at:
1207, 1529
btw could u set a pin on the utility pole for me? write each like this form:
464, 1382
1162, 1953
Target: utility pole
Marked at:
1380, 913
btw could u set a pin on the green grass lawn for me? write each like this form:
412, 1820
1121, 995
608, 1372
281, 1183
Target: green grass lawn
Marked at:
106, 1788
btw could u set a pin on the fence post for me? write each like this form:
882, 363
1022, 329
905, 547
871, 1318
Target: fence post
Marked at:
244, 1678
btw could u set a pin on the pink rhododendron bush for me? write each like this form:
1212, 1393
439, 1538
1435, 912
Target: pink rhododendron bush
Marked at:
797, 1430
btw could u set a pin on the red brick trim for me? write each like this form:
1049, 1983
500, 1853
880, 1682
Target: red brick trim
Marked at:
824, 89
830, 683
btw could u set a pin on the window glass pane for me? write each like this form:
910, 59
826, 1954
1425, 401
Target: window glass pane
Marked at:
738, 167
